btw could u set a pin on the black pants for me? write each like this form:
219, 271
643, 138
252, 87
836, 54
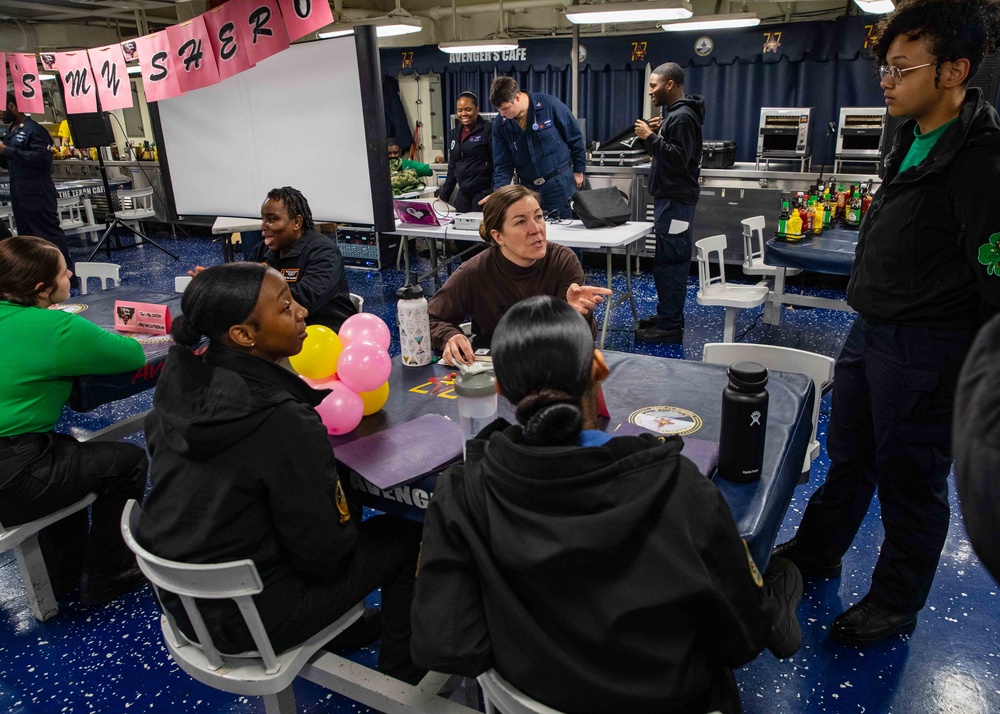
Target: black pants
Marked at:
465, 203
386, 557
890, 428
41, 473
36, 214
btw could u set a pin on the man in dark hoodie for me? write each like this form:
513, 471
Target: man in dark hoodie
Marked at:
925, 278
675, 145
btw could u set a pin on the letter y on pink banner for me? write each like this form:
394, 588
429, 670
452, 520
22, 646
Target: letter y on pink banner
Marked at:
305, 16
79, 89
194, 59
27, 86
113, 87
157, 62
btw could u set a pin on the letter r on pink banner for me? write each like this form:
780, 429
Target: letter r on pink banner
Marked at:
111, 76
305, 16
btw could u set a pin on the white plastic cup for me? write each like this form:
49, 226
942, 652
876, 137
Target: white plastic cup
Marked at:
477, 404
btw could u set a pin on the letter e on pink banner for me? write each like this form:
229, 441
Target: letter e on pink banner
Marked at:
113, 87
263, 28
228, 45
27, 86
194, 60
79, 89
157, 62
305, 16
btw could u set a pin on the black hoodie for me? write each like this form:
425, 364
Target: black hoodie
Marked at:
598, 579
676, 152
241, 468
928, 251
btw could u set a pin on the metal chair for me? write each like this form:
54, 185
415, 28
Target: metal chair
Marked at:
23, 540
716, 291
753, 249
101, 271
260, 672
819, 368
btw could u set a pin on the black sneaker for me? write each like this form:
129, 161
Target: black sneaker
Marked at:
100, 589
647, 322
867, 622
784, 582
809, 565
364, 631
659, 336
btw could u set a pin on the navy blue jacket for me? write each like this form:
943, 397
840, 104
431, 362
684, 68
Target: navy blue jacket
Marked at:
552, 144
470, 162
29, 159
676, 152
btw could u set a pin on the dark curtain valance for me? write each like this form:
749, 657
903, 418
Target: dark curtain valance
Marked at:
842, 39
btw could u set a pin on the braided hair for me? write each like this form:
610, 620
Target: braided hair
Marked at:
295, 203
543, 353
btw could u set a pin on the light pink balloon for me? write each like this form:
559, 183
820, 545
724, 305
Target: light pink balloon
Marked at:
363, 366
365, 326
342, 409
325, 383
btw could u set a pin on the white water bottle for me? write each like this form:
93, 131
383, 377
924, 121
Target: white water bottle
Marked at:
414, 326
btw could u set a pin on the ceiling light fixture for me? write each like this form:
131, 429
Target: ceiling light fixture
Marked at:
876, 7
385, 26
500, 44
713, 22
656, 11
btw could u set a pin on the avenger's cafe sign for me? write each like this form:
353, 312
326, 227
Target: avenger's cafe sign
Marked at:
519, 54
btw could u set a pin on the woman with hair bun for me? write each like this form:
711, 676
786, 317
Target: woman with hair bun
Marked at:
41, 470
519, 263
241, 468
595, 574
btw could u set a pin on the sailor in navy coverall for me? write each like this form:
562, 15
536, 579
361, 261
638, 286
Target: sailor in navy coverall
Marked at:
537, 136
27, 155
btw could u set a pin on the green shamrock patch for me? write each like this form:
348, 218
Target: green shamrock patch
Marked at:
989, 255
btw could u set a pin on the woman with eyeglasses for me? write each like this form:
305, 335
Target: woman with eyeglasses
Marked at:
924, 280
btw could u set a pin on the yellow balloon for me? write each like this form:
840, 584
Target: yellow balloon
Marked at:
320, 350
375, 399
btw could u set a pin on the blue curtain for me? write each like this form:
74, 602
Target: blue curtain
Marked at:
611, 100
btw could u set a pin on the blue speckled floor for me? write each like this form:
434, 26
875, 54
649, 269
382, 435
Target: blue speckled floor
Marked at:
111, 659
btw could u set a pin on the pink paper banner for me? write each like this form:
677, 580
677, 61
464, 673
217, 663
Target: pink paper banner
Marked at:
79, 88
157, 61
194, 60
3, 77
27, 86
305, 16
263, 28
111, 76
228, 44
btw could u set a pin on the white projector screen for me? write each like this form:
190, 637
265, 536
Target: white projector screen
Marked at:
295, 119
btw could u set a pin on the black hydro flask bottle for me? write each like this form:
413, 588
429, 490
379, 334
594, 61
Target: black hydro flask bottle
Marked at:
744, 422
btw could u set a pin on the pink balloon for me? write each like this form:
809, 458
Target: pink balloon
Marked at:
342, 409
325, 383
365, 326
363, 366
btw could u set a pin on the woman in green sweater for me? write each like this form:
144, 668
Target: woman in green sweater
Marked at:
42, 471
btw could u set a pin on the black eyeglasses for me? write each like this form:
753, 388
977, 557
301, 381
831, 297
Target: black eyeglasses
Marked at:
897, 72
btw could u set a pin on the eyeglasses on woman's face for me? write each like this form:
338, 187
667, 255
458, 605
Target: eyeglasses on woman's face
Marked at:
896, 73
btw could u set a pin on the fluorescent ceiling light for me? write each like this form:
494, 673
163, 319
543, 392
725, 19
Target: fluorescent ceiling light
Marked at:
386, 26
713, 22
46, 77
628, 12
876, 7
499, 45
134, 69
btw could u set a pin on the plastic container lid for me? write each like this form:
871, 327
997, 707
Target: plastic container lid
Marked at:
475, 386
410, 292
748, 376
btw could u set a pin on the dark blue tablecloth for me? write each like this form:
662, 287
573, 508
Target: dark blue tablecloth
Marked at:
636, 381
92, 391
831, 253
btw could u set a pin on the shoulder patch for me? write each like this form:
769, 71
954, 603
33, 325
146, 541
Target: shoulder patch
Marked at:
754, 572
989, 255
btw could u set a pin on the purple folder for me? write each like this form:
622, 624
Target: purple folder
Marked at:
405, 452
704, 454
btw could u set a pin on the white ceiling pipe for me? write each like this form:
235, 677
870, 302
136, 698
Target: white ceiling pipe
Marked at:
437, 13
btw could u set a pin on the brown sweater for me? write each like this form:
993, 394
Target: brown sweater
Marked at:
488, 285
